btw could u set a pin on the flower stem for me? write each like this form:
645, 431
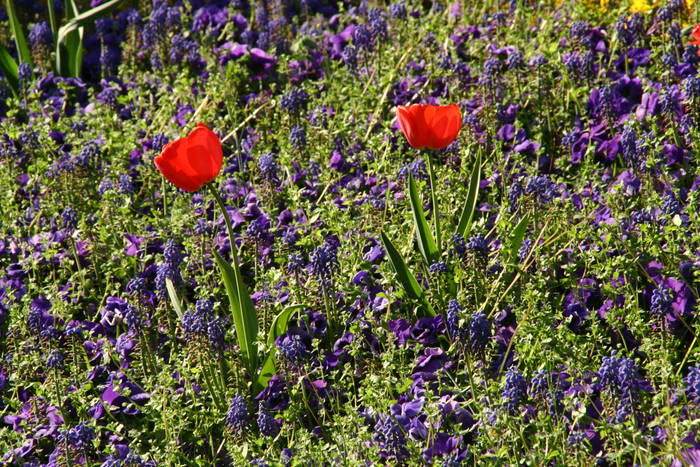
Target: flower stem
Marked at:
227, 219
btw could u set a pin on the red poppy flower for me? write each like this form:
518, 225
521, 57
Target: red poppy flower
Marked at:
192, 161
429, 126
696, 36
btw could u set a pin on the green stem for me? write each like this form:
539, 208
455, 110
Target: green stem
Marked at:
433, 200
227, 219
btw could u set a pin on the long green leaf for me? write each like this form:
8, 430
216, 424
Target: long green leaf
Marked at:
9, 69
279, 327
436, 207
516, 239
73, 44
84, 19
465, 220
23, 52
281, 322
174, 299
53, 22
409, 283
426, 243
244, 315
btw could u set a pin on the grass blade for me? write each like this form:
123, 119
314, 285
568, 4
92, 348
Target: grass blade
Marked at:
9, 68
23, 52
244, 315
426, 242
465, 220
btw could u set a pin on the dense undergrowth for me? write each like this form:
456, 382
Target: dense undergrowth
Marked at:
561, 330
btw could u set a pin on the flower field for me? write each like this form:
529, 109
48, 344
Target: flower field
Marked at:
316, 232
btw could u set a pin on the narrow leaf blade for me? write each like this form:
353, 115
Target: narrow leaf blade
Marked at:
279, 326
84, 19
23, 52
53, 22
73, 42
426, 242
9, 69
242, 310
467, 216
281, 322
174, 299
408, 282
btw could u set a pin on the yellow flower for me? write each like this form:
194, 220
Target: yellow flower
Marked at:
642, 5
646, 5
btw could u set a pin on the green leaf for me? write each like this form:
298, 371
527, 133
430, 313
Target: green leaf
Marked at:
408, 282
69, 39
516, 238
174, 299
9, 68
465, 220
426, 243
279, 326
244, 315
406, 278
84, 19
281, 322
53, 22
436, 206
73, 44
23, 52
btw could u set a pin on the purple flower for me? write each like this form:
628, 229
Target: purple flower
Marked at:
237, 415
292, 349
692, 384
514, 390
479, 333
390, 438
295, 100
55, 360
275, 395
40, 35
267, 424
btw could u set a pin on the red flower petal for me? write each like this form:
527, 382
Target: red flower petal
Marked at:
192, 161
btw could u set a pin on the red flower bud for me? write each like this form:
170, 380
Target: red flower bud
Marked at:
429, 126
192, 161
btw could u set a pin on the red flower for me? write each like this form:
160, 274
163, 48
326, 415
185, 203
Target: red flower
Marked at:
429, 126
192, 161
696, 36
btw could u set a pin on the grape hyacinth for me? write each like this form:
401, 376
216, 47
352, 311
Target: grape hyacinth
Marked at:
295, 100
454, 309
267, 424
40, 35
479, 333
692, 384
514, 390
458, 244
268, 167
324, 262
292, 349
620, 377
237, 417
661, 301
55, 360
